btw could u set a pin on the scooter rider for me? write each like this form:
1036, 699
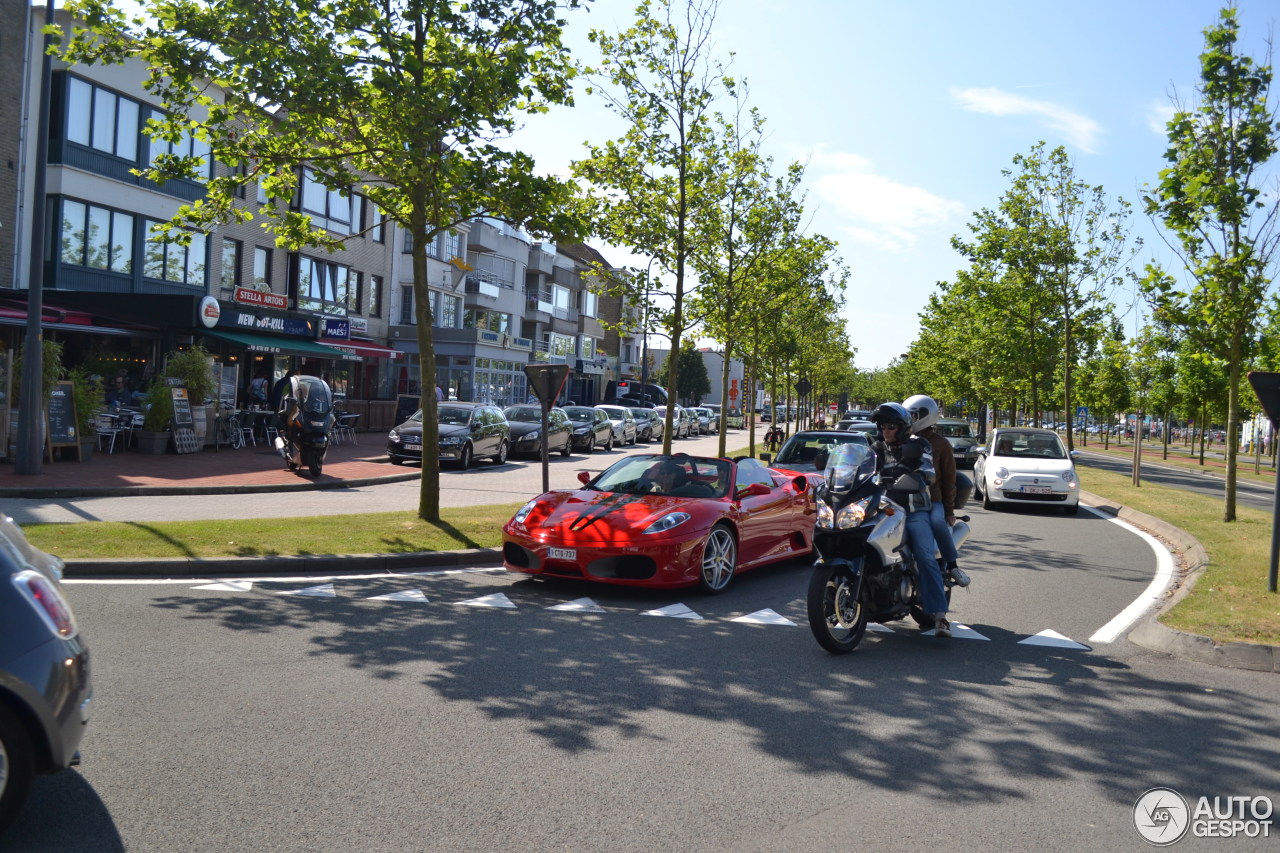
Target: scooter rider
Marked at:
924, 415
900, 453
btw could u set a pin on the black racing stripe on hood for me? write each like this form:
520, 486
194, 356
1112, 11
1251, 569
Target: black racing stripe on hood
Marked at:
605, 506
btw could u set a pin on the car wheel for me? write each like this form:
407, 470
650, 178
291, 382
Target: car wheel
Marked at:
591, 446
1074, 509
16, 766
501, 456
396, 460
464, 457
986, 500
566, 450
608, 445
719, 559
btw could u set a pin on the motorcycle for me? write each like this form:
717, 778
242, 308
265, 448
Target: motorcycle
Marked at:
306, 416
865, 571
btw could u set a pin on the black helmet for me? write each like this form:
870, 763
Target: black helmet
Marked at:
892, 413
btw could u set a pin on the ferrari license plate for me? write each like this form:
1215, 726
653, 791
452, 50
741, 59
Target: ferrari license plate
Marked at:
1037, 490
562, 553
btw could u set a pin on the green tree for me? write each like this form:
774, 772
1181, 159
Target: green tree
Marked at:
408, 102
1223, 225
694, 381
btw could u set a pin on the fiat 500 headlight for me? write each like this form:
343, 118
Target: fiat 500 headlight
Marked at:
668, 521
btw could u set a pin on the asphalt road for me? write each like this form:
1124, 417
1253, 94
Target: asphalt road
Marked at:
1250, 494
251, 719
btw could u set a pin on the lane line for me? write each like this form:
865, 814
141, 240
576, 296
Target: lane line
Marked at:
273, 578
1149, 597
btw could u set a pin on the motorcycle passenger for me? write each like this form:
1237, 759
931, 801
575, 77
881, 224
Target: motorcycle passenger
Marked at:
900, 453
924, 414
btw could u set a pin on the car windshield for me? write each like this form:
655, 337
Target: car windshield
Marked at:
955, 430
582, 416
616, 414
523, 413
677, 476
1029, 445
802, 448
453, 416
640, 413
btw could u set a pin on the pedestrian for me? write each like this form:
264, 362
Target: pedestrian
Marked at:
280, 390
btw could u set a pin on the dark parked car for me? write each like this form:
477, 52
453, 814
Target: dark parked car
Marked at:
962, 441
467, 431
526, 430
591, 428
649, 424
44, 671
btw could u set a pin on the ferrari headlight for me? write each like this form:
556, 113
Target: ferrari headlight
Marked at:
523, 512
852, 515
826, 517
668, 521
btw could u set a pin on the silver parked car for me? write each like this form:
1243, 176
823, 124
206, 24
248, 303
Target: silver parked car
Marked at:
44, 671
624, 424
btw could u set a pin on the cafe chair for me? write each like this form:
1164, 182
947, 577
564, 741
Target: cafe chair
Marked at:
345, 428
107, 428
245, 428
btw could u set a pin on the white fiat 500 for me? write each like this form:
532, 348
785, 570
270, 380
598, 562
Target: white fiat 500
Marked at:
1022, 465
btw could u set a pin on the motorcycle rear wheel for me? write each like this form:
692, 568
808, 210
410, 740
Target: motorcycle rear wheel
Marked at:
926, 620
837, 615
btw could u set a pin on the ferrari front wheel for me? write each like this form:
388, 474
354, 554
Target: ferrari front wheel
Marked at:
719, 559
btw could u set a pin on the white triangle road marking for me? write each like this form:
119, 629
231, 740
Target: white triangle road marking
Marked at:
404, 595
679, 611
324, 590
498, 599
579, 605
1049, 637
764, 617
959, 632
880, 629
231, 586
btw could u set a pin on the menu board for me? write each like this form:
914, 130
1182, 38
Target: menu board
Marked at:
184, 435
62, 416
406, 405
228, 376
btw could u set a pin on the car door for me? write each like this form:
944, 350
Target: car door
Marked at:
764, 520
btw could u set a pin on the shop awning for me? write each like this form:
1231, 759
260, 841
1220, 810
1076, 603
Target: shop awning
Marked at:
277, 346
54, 318
368, 349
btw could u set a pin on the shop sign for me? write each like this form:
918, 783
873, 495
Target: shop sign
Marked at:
359, 325
210, 312
335, 327
247, 296
249, 321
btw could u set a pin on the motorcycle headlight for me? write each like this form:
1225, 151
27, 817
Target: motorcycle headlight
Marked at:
826, 518
523, 512
852, 515
668, 521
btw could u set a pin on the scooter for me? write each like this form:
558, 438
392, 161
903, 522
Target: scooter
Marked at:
306, 417
865, 571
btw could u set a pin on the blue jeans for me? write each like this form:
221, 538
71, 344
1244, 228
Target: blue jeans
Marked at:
920, 538
942, 533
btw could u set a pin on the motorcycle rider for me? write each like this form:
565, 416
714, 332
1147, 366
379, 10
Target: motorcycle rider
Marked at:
924, 415
900, 453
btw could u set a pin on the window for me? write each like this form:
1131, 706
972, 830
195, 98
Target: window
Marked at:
446, 314
589, 304
262, 269
230, 263
559, 344
588, 349
357, 213
354, 293
168, 260
408, 316
327, 208
186, 146
321, 286
560, 298
408, 242
452, 245
101, 119
375, 296
379, 230
95, 237
490, 321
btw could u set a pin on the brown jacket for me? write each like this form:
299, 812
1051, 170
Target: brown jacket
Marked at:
944, 463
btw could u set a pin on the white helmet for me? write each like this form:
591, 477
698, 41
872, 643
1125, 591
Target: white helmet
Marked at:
923, 410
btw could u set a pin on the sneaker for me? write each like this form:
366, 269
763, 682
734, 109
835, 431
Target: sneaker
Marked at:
958, 576
941, 627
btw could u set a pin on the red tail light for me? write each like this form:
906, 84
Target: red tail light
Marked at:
48, 602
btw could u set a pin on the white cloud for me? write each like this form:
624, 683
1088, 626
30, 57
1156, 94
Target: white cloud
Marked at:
1159, 114
877, 210
1081, 131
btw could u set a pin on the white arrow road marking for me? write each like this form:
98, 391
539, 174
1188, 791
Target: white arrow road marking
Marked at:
1049, 637
324, 590
764, 617
959, 632
498, 599
231, 586
579, 605
679, 611
880, 629
404, 595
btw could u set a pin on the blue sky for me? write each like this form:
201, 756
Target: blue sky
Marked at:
908, 111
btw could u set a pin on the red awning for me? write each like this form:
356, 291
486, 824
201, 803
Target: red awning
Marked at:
367, 349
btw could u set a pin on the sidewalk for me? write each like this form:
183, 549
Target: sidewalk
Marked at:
222, 471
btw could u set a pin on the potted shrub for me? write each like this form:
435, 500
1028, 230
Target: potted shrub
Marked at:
50, 373
154, 435
192, 367
88, 396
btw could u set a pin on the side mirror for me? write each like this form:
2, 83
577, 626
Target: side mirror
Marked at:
1075, 454
766, 458
584, 477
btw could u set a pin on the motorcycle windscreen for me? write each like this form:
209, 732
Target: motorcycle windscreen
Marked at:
312, 394
849, 466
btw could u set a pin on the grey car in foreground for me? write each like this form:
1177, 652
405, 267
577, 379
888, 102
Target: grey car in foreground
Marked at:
44, 671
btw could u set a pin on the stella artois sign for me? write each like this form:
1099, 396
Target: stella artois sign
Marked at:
248, 296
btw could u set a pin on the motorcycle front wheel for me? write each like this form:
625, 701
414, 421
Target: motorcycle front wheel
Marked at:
837, 609
313, 462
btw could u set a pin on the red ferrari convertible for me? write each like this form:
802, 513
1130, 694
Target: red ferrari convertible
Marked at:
664, 521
